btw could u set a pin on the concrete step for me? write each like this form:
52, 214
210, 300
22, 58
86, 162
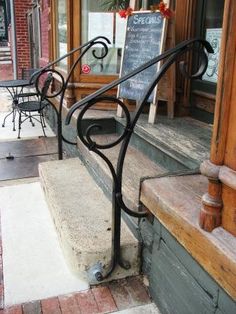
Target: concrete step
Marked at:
5, 57
5, 48
6, 62
175, 144
5, 52
82, 216
137, 166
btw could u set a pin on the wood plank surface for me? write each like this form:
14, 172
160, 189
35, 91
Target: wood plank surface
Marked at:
33, 147
176, 202
24, 167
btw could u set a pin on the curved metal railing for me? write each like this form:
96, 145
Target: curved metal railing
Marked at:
39, 76
118, 204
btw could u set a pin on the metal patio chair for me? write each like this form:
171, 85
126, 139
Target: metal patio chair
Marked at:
33, 109
31, 90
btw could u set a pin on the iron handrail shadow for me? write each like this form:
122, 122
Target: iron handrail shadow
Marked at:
48, 70
168, 58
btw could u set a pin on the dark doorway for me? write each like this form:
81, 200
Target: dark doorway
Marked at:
3, 22
209, 19
33, 18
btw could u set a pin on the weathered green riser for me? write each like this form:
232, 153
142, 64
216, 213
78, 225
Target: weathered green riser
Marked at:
156, 154
178, 284
170, 160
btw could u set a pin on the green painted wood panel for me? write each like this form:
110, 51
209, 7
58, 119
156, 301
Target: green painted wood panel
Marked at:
198, 273
173, 288
225, 303
146, 261
147, 233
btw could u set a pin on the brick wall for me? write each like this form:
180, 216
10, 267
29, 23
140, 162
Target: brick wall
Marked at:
44, 32
23, 44
23, 49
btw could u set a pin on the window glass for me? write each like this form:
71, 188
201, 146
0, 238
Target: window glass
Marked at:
3, 30
212, 29
61, 31
98, 20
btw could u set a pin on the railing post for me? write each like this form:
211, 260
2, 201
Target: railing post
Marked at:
86, 138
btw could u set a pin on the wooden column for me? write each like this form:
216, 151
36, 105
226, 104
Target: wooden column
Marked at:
219, 204
71, 7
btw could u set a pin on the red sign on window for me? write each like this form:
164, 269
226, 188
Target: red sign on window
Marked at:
86, 69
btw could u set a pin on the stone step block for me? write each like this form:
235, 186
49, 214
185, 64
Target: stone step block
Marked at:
82, 216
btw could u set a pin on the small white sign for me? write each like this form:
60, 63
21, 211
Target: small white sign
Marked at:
213, 35
100, 24
120, 31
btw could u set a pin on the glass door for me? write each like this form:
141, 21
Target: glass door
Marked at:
209, 18
34, 32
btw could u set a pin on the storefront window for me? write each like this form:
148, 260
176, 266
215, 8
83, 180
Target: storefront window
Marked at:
209, 26
97, 20
212, 27
209, 19
61, 31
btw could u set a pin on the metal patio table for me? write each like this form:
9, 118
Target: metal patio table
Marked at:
15, 88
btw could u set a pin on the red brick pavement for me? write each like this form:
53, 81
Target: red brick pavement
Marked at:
99, 299
6, 72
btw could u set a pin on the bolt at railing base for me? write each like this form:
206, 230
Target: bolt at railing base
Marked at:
99, 276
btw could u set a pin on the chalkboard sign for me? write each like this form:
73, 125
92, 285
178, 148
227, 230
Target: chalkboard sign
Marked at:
145, 35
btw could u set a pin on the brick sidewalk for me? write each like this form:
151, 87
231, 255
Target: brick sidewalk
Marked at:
6, 72
115, 296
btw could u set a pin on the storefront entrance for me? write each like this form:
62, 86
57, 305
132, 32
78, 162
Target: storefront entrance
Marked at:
209, 17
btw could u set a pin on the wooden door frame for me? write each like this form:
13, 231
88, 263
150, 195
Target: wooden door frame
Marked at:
35, 43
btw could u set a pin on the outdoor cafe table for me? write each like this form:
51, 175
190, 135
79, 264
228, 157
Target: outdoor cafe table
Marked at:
14, 87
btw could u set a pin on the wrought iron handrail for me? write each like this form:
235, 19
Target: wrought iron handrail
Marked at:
99, 40
118, 204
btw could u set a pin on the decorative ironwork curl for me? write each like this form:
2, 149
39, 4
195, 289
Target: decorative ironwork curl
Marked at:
104, 53
169, 57
87, 134
41, 76
38, 75
202, 64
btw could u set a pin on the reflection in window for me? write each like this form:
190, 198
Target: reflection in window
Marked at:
212, 28
61, 31
98, 21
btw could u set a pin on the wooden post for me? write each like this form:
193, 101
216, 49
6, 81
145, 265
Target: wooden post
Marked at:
221, 168
185, 11
134, 5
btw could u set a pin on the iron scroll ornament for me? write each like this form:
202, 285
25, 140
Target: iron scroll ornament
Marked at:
168, 58
49, 70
